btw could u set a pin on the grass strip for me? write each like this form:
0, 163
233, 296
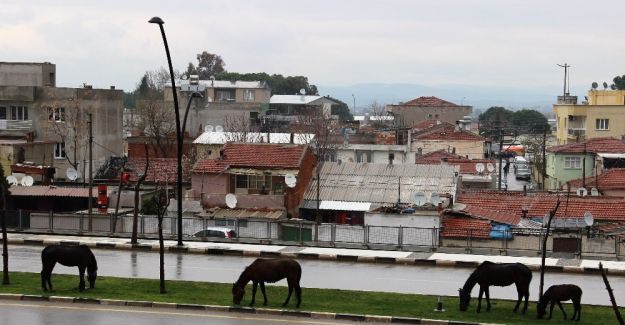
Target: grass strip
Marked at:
321, 300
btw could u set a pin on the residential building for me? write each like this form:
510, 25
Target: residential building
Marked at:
287, 109
446, 136
584, 159
610, 183
427, 108
48, 125
601, 115
474, 173
256, 173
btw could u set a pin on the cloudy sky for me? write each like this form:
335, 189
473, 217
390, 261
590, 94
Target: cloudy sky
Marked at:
332, 42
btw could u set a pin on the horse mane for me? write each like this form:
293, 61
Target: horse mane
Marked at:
244, 278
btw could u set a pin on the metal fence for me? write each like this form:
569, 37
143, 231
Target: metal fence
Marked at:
527, 242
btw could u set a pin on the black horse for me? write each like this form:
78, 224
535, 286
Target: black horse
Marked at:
558, 293
80, 256
505, 274
269, 270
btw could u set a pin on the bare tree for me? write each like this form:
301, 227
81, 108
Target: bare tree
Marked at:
141, 179
240, 128
158, 123
377, 114
67, 122
162, 201
617, 312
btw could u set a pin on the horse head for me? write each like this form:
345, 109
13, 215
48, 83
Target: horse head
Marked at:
238, 291
540, 308
465, 297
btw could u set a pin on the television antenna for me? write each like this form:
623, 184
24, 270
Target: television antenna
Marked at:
27, 180
420, 199
231, 200
290, 180
71, 173
589, 219
12, 180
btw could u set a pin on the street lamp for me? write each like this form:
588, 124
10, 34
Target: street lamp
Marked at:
354, 97
179, 130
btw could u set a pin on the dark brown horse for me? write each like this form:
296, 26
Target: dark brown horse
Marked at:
80, 256
558, 293
488, 274
269, 270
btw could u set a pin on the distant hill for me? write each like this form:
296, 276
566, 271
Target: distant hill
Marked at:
480, 97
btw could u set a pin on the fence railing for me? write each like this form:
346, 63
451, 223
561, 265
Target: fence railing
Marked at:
516, 241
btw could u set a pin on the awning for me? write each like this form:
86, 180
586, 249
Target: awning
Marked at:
611, 155
344, 205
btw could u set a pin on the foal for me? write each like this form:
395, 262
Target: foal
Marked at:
558, 293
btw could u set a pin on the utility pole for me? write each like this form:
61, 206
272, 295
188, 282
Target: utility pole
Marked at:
584, 167
500, 156
544, 166
565, 66
90, 203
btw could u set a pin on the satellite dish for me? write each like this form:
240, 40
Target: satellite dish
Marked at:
27, 181
435, 199
208, 128
71, 173
605, 85
290, 180
184, 77
479, 167
594, 191
490, 167
219, 128
588, 219
231, 200
595, 85
302, 91
12, 180
419, 199
582, 192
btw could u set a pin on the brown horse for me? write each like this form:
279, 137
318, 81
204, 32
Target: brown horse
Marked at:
558, 293
80, 256
501, 275
269, 270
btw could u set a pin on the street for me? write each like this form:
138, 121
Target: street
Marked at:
316, 274
40, 313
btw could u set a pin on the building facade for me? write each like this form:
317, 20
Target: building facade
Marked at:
427, 108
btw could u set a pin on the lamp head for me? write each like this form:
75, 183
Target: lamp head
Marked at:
156, 20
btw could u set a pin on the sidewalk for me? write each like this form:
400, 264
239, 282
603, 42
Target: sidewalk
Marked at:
323, 253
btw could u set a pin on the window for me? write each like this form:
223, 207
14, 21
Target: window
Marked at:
56, 114
257, 182
3, 113
248, 95
602, 123
573, 162
224, 95
59, 150
19, 113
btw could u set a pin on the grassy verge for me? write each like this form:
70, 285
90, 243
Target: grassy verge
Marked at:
325, 300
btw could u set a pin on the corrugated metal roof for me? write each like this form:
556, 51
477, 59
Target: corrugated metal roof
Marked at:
293, 99
243, 214
345, 206
52, 191
222, 84
379, 183
215, 137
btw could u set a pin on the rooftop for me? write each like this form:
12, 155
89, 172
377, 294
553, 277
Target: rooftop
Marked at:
160, 169
431, 101
465, 227
610, 179
595, 145
254, 155
214, 137
448, 132
295, 99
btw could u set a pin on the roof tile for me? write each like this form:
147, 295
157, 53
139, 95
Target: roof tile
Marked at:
465, 227
429, 101
258, 155
595, 145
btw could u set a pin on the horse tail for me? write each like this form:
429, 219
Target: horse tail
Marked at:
299, 270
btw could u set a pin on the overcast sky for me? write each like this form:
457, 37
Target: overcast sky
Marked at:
333, 42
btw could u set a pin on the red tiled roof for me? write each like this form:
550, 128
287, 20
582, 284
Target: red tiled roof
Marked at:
160, 169
257, 155
435, 157
465, 227
610, 179
52, 191
447, 132
425, 124
595, 145
425, 101
538, 204
467, 166
493, 215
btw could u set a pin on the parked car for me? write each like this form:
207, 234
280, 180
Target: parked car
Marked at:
522, 172
219, 232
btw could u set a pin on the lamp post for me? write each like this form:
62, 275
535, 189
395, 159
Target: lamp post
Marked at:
179, 130
354, 97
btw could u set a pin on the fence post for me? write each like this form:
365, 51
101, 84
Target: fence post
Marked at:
173, 227
19, 222
333, 233
81, 222
469, 235
268, 229
50, 221
300, 232
366, 237
142, 222
399, 236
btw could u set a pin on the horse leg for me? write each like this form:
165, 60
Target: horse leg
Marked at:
487, 299
551, 309
81, 284
578, 309
298, 293
46, 275
254, 286
527, 296
562, 309
288, 297
262, 289
479, 300
518, 301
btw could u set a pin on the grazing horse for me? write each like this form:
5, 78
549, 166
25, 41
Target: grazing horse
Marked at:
269, 270
501, 275
80, 256
558, 293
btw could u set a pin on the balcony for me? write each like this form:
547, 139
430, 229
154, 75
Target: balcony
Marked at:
16, 125
577, 133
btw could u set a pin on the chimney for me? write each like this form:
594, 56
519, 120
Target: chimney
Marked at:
112, 87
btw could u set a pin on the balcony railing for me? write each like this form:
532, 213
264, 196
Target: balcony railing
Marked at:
18, 125
577, 133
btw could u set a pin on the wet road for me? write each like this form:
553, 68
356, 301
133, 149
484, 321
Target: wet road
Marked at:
44, 313
316, 274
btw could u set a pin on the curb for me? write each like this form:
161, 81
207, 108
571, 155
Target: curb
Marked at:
236, 309
305, 256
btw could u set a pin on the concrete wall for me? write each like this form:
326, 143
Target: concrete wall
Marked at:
560, 175
421, 220
27, 74
378, 155
472, 149
411, 115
